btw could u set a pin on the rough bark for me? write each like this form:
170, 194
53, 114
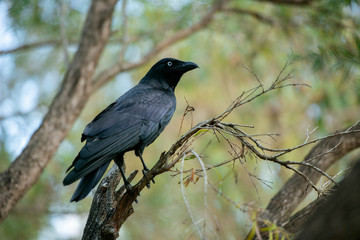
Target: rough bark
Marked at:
78, 84
65, 108
296, 221
339, 216
111, 208
323, 155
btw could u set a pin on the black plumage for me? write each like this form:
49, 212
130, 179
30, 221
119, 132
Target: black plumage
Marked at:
132, 122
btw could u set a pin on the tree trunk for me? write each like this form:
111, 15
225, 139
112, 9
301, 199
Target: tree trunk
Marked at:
288, 198
78, 84
323, 155
65, 108
339, 216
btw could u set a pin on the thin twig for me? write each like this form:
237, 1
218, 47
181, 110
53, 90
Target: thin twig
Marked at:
205, 186
256, 15
254, 75
308, 133
188, 208
119, 67
241, 206
216, 125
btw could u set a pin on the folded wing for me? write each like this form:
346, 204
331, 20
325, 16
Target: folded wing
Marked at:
119, 128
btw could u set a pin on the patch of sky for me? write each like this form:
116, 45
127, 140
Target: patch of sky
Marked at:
28, 97
80, 6
7, 107
19, 130
50, 82
178, 5
63, 226
134, 8
7, 39
50, 9
314, 111
123, 82
133, 53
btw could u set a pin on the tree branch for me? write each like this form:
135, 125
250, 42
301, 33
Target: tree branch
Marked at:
287, 199
283, 204
66, 106
120, 67
76, 89
122, 205
256, 15
110, 208
289, 2
28, 46
338, 216
50, 42
295, 222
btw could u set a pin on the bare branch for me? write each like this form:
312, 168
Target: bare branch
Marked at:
25, 170
230, 129
255, 76
20, 113
119, 67
28, 46
186, 201
104, 204
308, 133
294, 223
76, 89
188, 109
180, 150
49, 43
337, 216
205, 186
289, 2
256, 15
241, 206
292, 193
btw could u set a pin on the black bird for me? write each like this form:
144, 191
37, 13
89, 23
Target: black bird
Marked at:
132, 122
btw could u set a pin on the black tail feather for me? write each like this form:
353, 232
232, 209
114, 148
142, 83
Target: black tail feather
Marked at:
88, 182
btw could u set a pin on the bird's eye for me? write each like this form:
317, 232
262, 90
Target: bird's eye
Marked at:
169, 63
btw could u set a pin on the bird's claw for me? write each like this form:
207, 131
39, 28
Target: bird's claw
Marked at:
128, 187
145, 171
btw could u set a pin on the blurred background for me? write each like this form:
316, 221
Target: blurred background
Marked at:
319, 40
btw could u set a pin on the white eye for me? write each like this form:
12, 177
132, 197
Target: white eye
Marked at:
169, 63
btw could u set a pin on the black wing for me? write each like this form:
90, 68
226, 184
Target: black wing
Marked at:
138, 116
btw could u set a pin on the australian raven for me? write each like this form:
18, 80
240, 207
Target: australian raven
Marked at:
132, 122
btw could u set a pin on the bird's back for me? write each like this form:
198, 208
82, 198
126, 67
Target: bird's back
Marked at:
132, 122
137, 117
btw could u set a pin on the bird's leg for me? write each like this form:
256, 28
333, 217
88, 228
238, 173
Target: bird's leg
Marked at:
145, 170
119, 160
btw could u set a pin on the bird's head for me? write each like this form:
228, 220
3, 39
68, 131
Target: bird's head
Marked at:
168, 72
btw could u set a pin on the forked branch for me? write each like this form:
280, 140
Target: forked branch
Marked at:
121, 207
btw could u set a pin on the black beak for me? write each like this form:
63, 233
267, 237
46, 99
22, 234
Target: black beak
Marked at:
188, 66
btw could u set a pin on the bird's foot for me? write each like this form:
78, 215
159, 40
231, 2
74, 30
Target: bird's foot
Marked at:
129, 189
145, 171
